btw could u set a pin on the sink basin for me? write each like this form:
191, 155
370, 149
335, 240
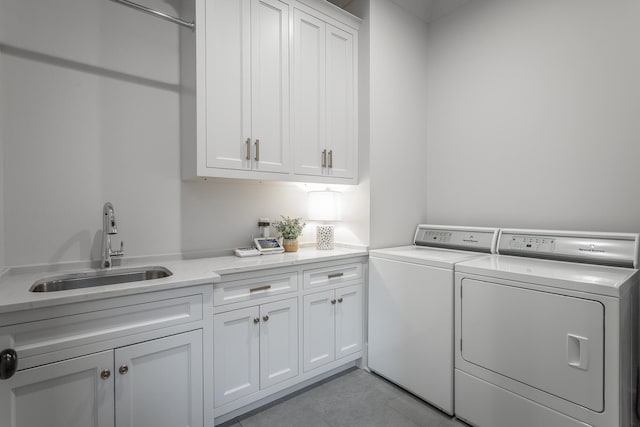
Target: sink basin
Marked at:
98, 278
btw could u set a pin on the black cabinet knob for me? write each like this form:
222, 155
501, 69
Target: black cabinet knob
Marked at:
8, 363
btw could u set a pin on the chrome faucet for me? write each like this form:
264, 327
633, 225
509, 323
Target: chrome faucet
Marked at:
109, 228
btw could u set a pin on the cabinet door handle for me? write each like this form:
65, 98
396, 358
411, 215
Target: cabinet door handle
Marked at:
260, 288
105, 374
265, 318
248, 149
257, 150
324, 158
256, 320
340, 300
331, 159
123, 369
333, 301
335, 275
8, 363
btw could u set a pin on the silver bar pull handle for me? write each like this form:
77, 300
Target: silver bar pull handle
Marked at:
335, 275
261, 288
257, 150
331, 159
155, 13
324, 158
248, 149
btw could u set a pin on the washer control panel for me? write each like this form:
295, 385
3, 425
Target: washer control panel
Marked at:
616, 249
436, 236
465, 238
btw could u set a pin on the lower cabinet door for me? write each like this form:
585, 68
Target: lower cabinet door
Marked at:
319, 329
236, 354
73, 393
159, 383
278, 342
348, 320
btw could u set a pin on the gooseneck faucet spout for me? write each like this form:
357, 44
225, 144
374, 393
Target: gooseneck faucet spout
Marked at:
109, 228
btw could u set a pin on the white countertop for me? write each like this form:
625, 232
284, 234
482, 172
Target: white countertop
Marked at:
15, 283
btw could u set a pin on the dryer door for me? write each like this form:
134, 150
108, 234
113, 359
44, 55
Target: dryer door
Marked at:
552, 342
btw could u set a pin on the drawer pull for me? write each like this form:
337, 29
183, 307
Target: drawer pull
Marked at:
265, 318
340, 300
335, 275
260, 288
256, 320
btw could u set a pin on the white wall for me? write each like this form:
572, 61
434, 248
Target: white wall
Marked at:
91, 113
359, 202
398, 129
3, 178
533, 115
2, 168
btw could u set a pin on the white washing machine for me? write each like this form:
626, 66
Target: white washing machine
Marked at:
547, 331
411, 308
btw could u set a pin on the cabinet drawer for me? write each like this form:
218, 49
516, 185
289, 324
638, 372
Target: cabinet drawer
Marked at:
46, 336
332, 275
250, 289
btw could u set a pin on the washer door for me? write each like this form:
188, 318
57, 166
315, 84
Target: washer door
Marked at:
552, 342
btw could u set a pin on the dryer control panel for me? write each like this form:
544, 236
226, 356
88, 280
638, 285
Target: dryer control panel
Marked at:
537, 243
615, 249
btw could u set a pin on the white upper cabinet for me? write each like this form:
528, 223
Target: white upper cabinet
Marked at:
309, 101
324, 95
273, 92
341, 112
247, 101
324, 98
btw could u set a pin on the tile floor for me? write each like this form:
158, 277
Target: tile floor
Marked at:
355, 398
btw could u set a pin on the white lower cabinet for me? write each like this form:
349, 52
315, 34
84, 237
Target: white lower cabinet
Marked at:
62, 394
130, 361
159, 382
254, 348
155, 383
332, 325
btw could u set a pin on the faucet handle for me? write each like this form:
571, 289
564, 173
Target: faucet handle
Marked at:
120, 252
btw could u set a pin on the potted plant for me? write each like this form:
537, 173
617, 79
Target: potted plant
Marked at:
290, 229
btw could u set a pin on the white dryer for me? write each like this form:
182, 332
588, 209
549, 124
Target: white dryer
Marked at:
411, 308
547, 331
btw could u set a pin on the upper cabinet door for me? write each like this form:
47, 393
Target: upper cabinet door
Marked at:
247, 85
308, 96
228, 89
270, 85
340, 98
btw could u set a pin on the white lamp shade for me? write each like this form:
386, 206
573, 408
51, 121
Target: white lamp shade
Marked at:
324, 206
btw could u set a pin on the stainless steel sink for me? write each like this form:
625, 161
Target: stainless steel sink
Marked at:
98, 278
